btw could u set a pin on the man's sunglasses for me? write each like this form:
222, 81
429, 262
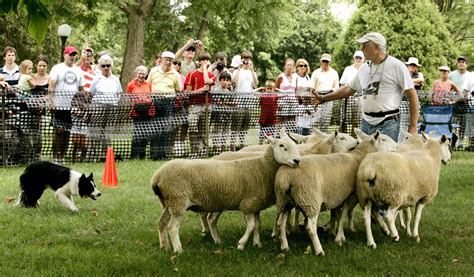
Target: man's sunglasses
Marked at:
105, 65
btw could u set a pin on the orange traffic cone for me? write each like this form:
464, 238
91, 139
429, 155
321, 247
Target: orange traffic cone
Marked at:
110, 172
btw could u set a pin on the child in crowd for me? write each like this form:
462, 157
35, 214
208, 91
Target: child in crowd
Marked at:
221, 116
79, 115
443, 87
304, 120
268, 110
26, 82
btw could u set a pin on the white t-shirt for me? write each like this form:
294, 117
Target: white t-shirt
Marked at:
458, 78
349, 73
392, 79
303, 82
468, 86
244, 89
68, 80
106, 90
325, 80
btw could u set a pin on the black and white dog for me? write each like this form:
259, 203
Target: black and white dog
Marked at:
64, 181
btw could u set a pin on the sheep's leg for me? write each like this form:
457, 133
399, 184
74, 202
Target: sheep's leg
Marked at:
407, 212
368, 222
330, 226
212, 220
275, 225
173, 229
256, 231
380, 221
346, 208
282, 226
250, 219
402, 219
204, 223
312, 230
296, 221
418, 210
391, 217
351, 220
162, 232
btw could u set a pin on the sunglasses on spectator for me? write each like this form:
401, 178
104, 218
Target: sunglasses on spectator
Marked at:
105, 65
175, 63
302, 65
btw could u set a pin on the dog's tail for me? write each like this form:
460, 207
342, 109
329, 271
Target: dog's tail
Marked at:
154, 185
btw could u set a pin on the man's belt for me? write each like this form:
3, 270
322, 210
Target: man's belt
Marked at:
383, 114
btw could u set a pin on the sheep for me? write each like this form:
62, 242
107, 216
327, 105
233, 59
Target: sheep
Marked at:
321, 182
313, 138
394, 181
335, 143
215, 186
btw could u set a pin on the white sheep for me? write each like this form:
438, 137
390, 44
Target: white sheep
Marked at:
215, 186
299, 139
321, 182
337, 142
394, 181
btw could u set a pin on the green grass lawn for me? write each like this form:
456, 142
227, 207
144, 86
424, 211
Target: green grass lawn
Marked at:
117, 235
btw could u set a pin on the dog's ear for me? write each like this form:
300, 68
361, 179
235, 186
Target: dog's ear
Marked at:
83, 176
90, 176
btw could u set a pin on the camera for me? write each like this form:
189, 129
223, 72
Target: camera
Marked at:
245, 62
220, 66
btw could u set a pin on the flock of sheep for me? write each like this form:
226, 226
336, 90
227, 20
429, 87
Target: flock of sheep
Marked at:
324, 172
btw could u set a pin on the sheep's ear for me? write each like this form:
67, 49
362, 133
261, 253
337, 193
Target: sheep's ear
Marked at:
333, 136
360, 135
406, 134
283, 133
376, 135
319, 133
298, 138
271, 139
443, 139
425, 136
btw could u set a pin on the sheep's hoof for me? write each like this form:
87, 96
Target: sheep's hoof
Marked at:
203, 233
240, 247
321, 254
179, 251
417, 238
396, 238
258, 244
373, 246
285, 249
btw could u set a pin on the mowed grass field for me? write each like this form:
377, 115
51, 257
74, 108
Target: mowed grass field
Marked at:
117, 235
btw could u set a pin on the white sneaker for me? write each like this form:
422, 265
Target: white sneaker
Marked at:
178, 149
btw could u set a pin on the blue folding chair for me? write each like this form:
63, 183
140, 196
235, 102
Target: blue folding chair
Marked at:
440, 120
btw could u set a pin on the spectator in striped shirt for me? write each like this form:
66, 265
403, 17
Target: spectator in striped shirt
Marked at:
85, 64
10, 73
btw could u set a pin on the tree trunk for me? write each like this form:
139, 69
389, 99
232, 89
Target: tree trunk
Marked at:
137, 17
203, 26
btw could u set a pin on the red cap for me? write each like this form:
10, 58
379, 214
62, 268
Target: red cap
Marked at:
70, 49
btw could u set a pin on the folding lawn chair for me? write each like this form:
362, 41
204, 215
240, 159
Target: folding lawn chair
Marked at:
440, 120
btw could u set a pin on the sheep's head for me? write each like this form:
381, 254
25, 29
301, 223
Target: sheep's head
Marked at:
445, 149
341, 142
383, 143
285, 150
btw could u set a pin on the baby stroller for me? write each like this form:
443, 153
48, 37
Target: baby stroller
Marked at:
440, 120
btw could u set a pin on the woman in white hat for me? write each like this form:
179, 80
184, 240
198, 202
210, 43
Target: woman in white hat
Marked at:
443, 87
416, 76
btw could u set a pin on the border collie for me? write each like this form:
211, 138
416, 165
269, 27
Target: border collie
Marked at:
64, 181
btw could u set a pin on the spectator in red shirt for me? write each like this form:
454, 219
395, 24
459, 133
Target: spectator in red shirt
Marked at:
268, 110
139, 91
198, 83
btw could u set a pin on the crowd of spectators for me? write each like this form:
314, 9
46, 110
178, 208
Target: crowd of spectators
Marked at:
175, 99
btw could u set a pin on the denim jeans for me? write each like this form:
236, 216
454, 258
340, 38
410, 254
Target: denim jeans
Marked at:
389, 127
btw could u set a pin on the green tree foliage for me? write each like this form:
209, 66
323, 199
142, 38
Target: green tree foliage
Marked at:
412, 29
316, 32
